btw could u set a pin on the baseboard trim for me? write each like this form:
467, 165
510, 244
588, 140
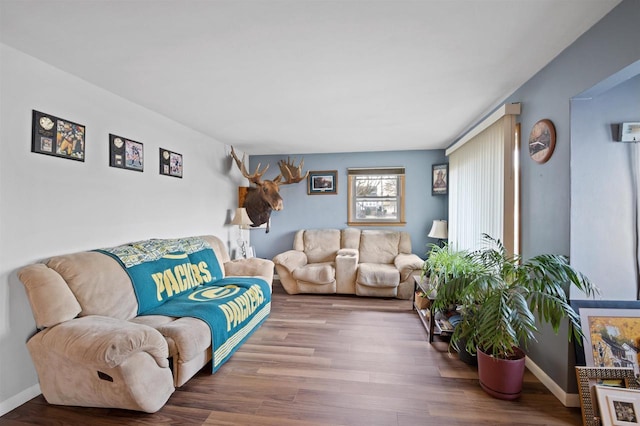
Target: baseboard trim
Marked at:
19, 399
567, 399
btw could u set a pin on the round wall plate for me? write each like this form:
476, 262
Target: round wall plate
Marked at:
542, 141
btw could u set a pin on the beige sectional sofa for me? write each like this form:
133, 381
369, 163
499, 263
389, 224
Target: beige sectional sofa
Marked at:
92, 349
349, 261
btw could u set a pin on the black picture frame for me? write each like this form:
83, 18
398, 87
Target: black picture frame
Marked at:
57, 137
125, 153
610, 305
440, 179
323, 182
170, 163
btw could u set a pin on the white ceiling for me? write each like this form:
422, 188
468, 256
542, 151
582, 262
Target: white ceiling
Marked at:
303, 76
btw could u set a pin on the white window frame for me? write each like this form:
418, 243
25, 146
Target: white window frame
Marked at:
397, 173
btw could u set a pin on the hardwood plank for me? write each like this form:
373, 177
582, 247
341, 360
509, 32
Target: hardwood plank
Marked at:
330, 360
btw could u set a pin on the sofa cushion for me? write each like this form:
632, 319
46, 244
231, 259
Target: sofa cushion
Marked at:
186, 337
321, 245
378, 275
52, 302
99, 284
321, 273
378, 246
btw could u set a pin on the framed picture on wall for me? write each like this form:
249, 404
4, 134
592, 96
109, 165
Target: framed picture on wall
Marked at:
322, 182
439, 179
57, 136
170, 163
125, 153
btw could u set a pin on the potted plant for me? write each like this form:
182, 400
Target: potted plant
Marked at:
500, 297
450, 271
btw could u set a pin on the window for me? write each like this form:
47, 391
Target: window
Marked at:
376, 196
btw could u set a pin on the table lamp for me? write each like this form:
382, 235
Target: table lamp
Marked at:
241, 219
439, 231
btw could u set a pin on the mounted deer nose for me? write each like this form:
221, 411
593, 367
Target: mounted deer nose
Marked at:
279, 205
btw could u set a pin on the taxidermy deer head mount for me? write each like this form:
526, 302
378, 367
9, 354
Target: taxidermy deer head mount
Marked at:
264, 197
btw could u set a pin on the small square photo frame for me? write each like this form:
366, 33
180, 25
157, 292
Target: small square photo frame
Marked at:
618, 407
590, 377
440, 179
322, 182
170, 163
125, 153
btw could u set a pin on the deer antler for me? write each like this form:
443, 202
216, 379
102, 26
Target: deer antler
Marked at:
291, 173
254, 178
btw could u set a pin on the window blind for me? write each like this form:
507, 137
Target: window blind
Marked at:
481, 186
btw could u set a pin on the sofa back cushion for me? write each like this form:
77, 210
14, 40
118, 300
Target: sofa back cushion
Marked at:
99, 284
51, 299
321, 245
378, 246
219, 249
351, 238
163, 269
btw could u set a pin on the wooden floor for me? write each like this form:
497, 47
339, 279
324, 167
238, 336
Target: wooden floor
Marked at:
329, 360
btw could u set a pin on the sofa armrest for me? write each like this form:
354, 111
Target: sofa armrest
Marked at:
407, 263
253, 267
291, 259
104, 341
347, 259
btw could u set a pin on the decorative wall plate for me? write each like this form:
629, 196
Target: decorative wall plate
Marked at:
542, 141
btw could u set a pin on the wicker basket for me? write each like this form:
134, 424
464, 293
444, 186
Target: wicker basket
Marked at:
422, 302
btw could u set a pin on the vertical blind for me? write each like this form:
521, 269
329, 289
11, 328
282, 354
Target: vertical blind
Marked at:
481, 187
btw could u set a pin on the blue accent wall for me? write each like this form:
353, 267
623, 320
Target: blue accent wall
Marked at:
608, 47
303, 211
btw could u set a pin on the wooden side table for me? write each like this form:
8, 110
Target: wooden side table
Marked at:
427, 316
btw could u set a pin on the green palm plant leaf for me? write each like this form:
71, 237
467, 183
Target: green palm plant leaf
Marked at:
502, 297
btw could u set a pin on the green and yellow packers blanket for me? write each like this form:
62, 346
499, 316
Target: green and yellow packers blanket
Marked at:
183, 278
233, 307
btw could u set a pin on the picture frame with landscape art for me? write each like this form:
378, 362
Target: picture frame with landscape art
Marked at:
322, 182
611, 333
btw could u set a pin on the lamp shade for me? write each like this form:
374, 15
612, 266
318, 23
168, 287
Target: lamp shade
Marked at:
241, 218
439, 230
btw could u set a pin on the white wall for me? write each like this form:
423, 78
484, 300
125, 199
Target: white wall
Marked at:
51, 205
603, 193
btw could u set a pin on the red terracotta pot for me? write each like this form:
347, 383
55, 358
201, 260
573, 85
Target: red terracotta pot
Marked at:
501, 378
